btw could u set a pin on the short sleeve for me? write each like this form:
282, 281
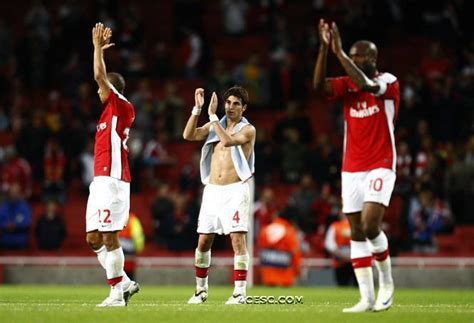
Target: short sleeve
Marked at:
389, 87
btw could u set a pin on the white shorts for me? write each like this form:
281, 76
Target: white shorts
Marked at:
108, 204
372, 186
224, 208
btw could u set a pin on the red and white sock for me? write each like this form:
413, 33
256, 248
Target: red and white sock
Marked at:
102, 257
114, 267
362, 263
202, 262
241, 266
380, 251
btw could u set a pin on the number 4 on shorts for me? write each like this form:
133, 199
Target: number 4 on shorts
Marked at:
236, 217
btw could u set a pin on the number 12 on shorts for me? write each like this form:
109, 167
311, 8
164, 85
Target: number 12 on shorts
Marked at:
104, 216
236, 217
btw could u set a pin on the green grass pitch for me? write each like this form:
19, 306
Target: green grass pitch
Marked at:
41, 303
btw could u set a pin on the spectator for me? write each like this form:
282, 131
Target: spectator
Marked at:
293, 156
182, 235
326, 208
190, 178
428, 216
293, 119
264, 209
404, 169
86, 106
460, 188
435, 65
286, 81
15, 220
171, 110
155, 156
280, 255
424, 157
325, 162
302, 200
31, 142
266, 158
146, 106
279, 37
234, 16
338, 243
50, 229
16, 170
191, 50
252, 76
162, 210
54, 163
131, 30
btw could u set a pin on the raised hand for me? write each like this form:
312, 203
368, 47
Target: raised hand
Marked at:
324, 33
213, 104
336, 42
199, 98
107, 36
101, 36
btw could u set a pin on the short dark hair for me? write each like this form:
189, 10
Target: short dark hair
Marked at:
117, 81
238, 92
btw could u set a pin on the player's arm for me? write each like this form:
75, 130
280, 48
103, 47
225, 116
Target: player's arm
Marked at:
356, 75
322, 85
192, 132
101, 40
245, 135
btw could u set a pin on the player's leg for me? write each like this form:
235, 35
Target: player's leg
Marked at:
361, 258
380, 184
202, 262
207, 228
241, 266
378, 242
93, 236
95, 241
114, 269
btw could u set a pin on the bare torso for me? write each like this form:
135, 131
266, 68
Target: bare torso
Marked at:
222, 168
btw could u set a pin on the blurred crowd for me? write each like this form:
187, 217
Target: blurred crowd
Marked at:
49, 109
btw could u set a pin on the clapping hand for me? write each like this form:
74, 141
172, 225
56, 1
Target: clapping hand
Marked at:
213, 104
101, 36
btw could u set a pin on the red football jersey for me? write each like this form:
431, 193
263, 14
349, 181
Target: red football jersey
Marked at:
110, 149
369, 140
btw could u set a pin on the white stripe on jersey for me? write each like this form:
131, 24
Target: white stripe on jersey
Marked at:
345, 139
118, 94
390, 114
116, 154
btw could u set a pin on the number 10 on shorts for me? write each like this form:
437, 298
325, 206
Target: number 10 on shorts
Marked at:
376, 184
